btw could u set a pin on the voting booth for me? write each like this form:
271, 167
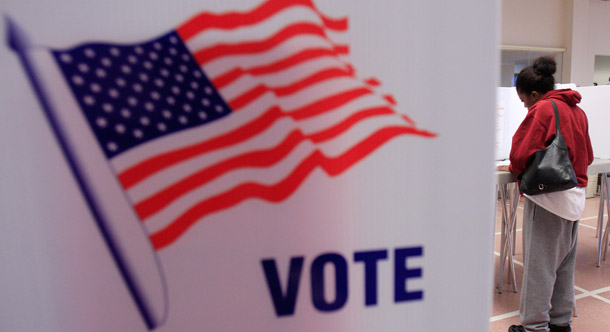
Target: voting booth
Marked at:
595, 103
247, 165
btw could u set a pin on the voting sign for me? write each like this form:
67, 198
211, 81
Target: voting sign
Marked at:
242, 165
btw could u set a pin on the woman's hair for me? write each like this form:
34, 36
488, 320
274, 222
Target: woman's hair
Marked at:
537, 77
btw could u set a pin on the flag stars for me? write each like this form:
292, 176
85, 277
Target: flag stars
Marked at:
114, 93
89, 53
101, 73
106, 62
83, 68
89, 100
78, 80
132, 101
112, 146
126, 113
132, 94
107, 107
101, 122
66, 58
120, 128
115, 51
137, 133
95, 88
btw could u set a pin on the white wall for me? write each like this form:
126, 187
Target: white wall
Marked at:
536, 23
599, 27
580, 26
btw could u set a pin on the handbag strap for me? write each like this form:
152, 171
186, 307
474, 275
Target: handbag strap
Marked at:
557, 128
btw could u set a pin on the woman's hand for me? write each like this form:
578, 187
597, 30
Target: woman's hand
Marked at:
503, 168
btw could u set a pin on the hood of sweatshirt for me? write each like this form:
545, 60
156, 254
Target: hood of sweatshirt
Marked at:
568, 96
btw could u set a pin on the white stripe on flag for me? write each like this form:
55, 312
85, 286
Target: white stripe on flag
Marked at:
258, 31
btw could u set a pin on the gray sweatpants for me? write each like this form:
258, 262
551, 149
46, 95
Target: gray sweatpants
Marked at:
549, 250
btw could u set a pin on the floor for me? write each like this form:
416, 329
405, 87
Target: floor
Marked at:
592, 283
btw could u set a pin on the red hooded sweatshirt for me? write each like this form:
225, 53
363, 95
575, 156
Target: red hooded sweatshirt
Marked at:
538, 127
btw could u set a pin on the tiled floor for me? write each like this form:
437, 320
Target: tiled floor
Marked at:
592, 283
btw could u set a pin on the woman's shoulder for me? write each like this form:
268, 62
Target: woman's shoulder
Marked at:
543, 108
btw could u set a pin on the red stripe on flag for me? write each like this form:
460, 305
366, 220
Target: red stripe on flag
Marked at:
135, 174
254, 93
260, 158
208, 54
233, 20
283, 189
229, 77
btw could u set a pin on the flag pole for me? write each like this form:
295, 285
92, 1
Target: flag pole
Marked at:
18, 41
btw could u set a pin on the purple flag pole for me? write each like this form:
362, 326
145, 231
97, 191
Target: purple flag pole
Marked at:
153, 313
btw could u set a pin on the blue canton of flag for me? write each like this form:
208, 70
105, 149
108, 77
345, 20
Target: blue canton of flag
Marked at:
133, 94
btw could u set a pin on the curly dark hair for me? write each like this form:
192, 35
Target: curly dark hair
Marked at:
537, 77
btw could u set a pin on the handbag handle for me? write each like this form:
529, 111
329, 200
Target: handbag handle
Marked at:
557, 128
561, 142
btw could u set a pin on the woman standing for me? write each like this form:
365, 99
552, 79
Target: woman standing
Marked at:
550, 221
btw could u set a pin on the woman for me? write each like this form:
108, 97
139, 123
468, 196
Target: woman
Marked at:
550, 221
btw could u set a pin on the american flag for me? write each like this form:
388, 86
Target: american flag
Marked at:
226, 108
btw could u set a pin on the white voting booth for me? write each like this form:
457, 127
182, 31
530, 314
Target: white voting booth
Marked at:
595, 103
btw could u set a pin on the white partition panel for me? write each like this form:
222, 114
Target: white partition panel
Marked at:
247, 165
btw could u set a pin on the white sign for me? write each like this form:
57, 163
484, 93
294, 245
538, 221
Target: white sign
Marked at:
247, 166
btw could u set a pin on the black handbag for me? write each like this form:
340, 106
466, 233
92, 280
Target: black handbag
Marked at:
549, 169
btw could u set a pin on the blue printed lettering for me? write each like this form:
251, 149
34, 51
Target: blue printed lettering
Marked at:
402, 273
285, 298
370, 259
317, 282
283, 302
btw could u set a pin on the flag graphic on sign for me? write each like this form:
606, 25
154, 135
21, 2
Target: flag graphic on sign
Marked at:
226, 108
